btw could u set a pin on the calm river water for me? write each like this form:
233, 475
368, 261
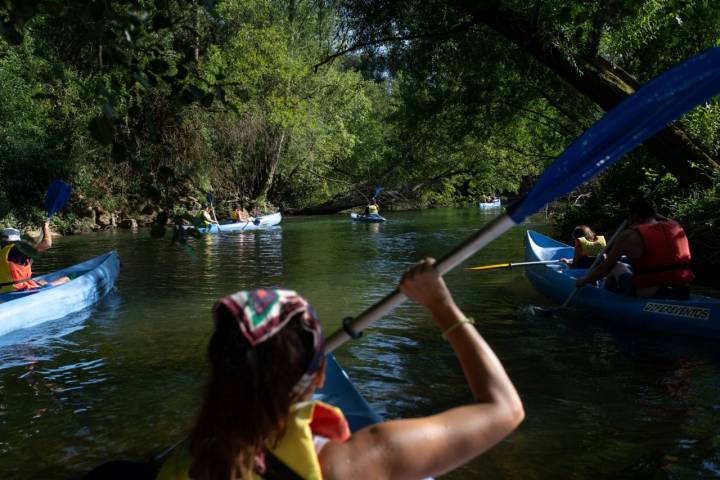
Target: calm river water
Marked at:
122, 380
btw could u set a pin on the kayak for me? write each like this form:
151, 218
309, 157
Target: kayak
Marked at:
91, 281
494, 204
697, 316
372, 218
340, 392
255, 223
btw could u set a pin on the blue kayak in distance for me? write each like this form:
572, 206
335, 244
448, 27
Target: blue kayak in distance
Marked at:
256, 223
372, 218
697, 316
490, 205
91, 280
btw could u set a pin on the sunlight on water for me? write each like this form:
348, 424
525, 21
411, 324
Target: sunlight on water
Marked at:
122, 379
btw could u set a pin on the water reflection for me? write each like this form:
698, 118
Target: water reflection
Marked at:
607, 402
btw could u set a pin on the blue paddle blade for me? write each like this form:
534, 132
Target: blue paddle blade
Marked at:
650, 109
377, 192
210, 198
57, 196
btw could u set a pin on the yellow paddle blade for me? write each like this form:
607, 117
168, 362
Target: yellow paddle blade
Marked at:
489, 267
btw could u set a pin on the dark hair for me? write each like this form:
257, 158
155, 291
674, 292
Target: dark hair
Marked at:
247, 398
642, 207
583, 231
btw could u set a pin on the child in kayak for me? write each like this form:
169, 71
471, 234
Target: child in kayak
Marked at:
258, 419
588, 246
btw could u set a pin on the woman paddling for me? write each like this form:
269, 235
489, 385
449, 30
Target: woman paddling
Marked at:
267, 358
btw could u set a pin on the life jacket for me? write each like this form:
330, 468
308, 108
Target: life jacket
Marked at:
666, 256
234, 215
13, 276
372, 210
590, 248
294, 456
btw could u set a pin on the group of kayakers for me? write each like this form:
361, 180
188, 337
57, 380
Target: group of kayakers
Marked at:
258, 418
651, 258
206, 216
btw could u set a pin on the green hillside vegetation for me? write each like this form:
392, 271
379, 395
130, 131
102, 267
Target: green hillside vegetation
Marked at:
146, 106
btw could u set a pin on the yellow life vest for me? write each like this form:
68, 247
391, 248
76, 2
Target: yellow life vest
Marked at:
234, 215
591, 248
295, 449
373, 210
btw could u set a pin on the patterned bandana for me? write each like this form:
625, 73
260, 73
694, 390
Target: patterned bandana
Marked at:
262, 313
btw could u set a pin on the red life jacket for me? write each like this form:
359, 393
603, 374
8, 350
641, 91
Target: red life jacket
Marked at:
666, 256
14, 276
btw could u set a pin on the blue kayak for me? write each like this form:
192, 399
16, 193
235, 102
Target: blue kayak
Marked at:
340, 392
697, 316
490, 205
256, 223
372, 218
91, 281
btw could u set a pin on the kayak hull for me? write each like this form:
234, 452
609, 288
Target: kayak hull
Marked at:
96, 277
489, 205
340, 392
257, 223
367, 218
697, 316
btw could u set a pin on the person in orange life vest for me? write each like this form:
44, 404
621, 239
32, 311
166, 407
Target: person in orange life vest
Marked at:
16, 267
588, 245
267, 358
658, 252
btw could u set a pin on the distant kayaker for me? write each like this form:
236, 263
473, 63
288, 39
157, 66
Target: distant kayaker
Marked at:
205, 216
658, 253
16, 267
588, 245
239, 214
373, 208
267, 358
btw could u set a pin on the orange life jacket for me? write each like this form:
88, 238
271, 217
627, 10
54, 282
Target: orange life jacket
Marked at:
666, 256
13, 276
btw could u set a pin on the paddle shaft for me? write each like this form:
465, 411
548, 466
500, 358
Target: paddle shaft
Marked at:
461, 253
514, 264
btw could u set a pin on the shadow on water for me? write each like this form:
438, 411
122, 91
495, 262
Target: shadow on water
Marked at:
123, 378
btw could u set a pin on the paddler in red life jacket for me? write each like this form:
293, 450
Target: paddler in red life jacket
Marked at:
658, 253
259, 419
16, 267
588, 245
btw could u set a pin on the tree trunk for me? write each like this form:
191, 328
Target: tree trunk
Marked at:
606, 85
271, 168
337, 204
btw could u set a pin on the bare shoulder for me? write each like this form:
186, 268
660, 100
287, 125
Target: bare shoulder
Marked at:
359, 457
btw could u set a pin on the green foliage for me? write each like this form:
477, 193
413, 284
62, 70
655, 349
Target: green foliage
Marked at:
144, 106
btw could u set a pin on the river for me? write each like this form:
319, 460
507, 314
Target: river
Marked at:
123, 379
